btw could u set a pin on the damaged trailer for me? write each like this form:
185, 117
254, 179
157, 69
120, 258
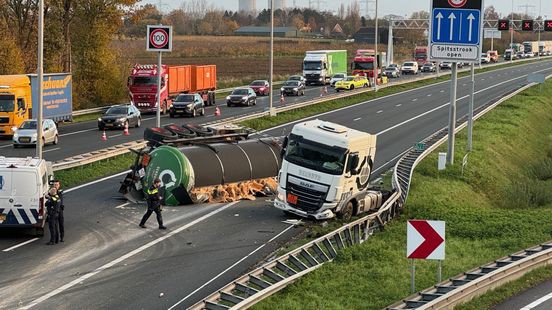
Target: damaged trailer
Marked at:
203, 164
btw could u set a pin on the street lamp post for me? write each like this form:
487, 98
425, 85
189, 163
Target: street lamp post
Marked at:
512, 34
539, 39
271, 110
376, 48
40, 77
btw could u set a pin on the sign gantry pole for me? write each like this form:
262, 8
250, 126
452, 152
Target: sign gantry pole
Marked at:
159, 39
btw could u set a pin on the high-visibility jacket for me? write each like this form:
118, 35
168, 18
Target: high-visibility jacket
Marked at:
154, 197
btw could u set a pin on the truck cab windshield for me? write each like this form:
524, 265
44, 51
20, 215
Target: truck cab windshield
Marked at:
316, 156
363, 66
312, 65
7, 103
144, 80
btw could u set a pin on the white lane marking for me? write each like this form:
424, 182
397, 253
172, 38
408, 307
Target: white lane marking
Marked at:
537, 302
95, 182
49, 150
229, 268
442, 91
371, 100
113, 136
444, 105
19, 245
415, 99
122, 206
77, 132
398, 105
3, 146
380, 111
464, 85
482, 79
357, 119
124, 257
429, 95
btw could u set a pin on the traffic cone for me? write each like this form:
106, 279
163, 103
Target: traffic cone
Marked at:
325, 90
125, 132
104, 136
282, 99
217, 111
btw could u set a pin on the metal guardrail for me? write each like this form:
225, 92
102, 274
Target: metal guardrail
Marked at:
277, 274
90, 111
477, 281
109, 152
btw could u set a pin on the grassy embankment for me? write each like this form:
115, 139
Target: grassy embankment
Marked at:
91, 172
501, 204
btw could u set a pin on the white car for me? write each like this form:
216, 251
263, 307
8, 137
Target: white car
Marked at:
409, 67
26, 133
529, 54
336, 78
485, 58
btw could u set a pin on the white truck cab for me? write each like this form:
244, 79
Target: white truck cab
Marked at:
24, 183
325, 171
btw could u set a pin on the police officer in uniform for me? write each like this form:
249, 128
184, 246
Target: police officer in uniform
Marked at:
53, 206
154, 200
61, 221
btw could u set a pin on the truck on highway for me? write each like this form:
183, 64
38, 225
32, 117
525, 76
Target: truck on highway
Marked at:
421, 55
531, 47
320, 66
175, 80
19, 99
363, 62
325, 172
24, 184
545, 47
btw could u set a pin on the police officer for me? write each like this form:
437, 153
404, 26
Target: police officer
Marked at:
154, 200
53, 206
57, 186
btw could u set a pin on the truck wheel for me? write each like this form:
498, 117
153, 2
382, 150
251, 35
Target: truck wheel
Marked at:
56, 140
347, 212
255, 101
194, 112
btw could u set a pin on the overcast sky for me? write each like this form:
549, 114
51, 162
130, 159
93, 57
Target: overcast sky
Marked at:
397, 7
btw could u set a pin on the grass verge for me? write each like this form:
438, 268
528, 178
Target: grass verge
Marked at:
500, 204
87, 173
296, 114
509, 289
86, 117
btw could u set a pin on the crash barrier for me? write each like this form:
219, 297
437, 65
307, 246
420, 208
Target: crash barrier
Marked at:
470, 284
247, 290
106, 153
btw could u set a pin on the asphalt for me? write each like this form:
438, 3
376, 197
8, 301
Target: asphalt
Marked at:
536, 298
107, 261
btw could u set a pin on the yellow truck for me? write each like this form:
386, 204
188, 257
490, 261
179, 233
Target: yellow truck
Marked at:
19, 99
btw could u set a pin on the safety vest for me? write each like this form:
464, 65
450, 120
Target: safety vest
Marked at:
152, 191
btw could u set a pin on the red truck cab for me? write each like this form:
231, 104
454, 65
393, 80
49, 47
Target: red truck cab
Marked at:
363, 63
421, 55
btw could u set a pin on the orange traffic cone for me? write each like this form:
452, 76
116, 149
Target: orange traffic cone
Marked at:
125, 132
282, 99
104, 136
217, 111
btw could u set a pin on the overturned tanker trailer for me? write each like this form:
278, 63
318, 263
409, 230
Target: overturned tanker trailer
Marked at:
193, 162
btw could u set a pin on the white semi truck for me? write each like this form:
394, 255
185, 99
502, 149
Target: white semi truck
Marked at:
325, 172
320, 66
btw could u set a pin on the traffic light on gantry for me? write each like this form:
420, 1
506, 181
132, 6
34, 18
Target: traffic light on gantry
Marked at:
548, 25
503, 24
527, 25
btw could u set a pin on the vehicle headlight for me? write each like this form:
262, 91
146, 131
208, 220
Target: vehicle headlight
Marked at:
14, 128
35, 135
15, 135
282, 89
190, 105
244, 98
228, 98
99, 119
295, 89
121, 120
320, 79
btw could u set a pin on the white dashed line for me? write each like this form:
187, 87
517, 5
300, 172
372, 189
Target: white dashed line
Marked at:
46, 151
415, 99
442, 91
115, 135
380, 111
357, 119
19, 245
429, 95
398, 105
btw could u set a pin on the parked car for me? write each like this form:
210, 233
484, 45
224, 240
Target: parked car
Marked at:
336, 78
429, 67
242, 96
529, 54
261, 87
293, 88
352, 82
118, 116
392, 72
485, 58
299, 78
187, 104
409, 67
26, 133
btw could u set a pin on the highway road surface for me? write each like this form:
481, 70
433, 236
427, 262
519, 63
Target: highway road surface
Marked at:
109, 262
536, 298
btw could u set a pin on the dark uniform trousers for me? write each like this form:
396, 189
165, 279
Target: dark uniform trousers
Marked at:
60, 216
154, 205
54, 205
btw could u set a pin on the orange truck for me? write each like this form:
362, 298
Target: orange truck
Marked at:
175, 80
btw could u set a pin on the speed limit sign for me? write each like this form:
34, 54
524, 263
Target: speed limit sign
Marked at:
159, 38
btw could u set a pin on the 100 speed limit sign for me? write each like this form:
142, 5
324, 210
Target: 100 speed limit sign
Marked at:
159, 38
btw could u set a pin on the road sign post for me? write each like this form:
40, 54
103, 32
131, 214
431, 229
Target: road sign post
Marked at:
455, 35
159, 39
425, 240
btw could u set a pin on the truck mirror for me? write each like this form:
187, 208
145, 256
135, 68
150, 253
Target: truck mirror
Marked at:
352, 65
284, 147
129, 81
353, 163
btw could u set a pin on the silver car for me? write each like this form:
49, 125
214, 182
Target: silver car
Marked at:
26, 133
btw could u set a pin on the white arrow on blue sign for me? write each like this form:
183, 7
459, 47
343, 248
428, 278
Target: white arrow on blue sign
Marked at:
456, 26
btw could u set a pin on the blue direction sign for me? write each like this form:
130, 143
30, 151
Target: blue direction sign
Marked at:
456, 30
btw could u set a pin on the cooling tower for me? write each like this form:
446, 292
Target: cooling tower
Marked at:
248, 5
278, 4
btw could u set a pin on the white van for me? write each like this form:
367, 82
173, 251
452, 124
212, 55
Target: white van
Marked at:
409, 67
24, 183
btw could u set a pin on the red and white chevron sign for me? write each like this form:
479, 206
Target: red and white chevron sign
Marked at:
425, 239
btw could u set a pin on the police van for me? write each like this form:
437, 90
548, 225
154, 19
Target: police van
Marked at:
24, 184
